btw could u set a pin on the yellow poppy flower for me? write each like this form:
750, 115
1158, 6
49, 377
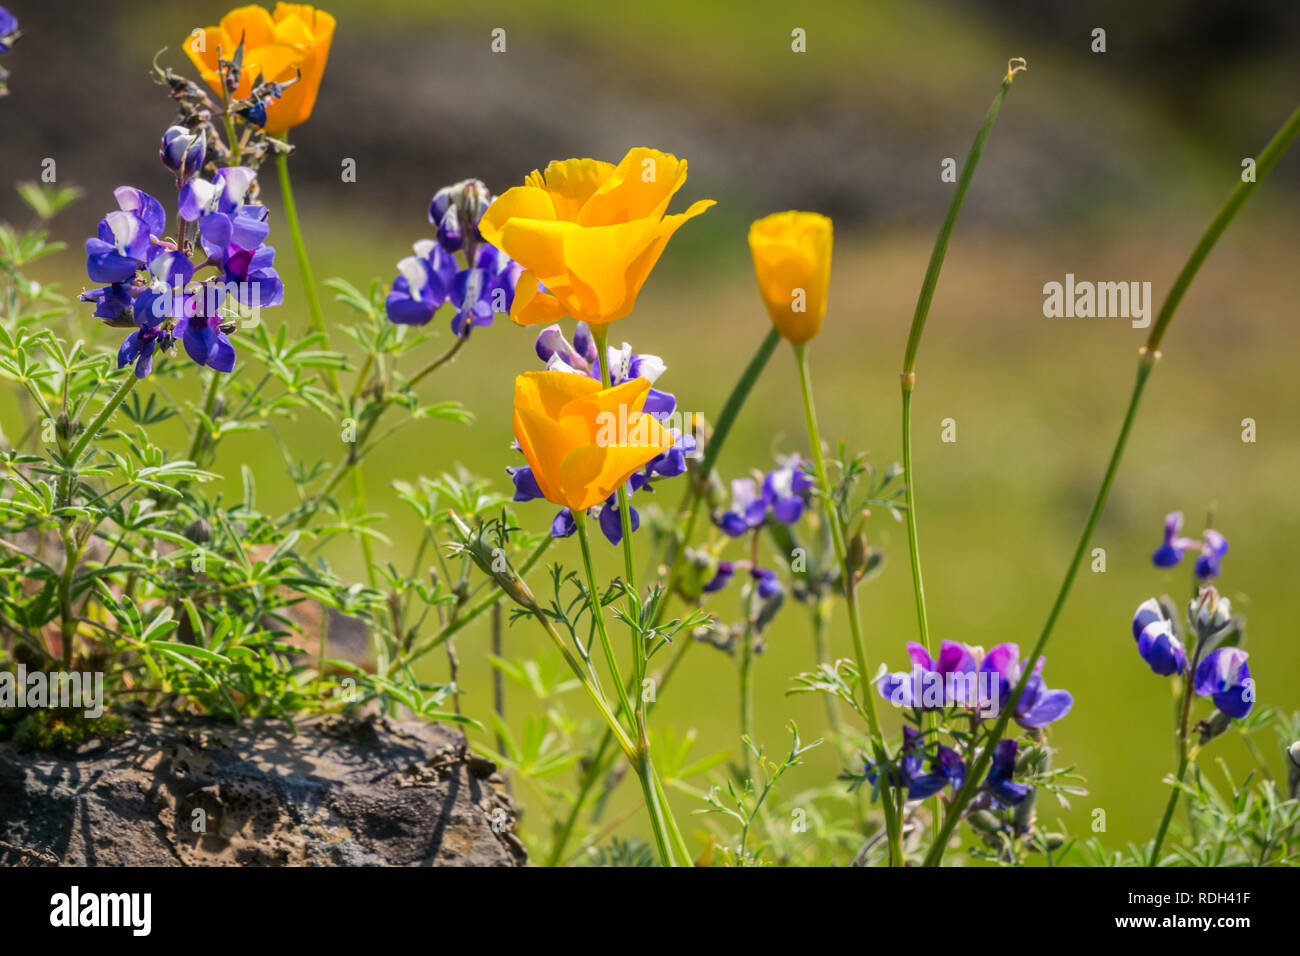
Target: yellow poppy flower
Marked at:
792, 260
587, 234
583, 441
296, 37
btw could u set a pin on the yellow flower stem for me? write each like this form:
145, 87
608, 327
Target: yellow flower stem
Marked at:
892, 827
643, 764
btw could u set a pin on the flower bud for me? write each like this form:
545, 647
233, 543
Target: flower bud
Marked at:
792, 262
183, 150
1212, 612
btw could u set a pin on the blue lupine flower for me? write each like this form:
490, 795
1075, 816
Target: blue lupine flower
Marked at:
933, 685
748, 510
580, 358
999, 781
1038, 706
8, 28
423, 284
183, 151
1156, 641
124, 241
1224, 676
151, 282
480, 292
965, 677
1213, 547
433, 276
721, 577
946, 768
783, 494
456, 211
769, 585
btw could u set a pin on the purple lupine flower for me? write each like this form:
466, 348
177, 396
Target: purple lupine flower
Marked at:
769, 585
721, 577
8, 33
488, 288
946, 768
580, 358
433, 276
152, 283
933, 685
8, 30
786, 489
422, 286
1156, 641
999, 781
783, 494
1038, 706
456, 211
1171, 549
611, 522
748, 509
183, 151
1213, 547
124, 242
1224, 676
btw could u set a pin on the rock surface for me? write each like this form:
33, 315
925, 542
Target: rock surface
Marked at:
334, 792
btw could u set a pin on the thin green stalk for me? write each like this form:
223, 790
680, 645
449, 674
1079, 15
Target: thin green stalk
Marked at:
598, 615
850, 599
643, 764
976, 776
747, 663
1148, 357
1183, 763
1264, 163
478, 607
908, 379
699, 485
600, 762
304, 264
209, 405
102, 418
950, 220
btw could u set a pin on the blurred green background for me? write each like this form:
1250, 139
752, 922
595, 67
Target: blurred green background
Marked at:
1105, 165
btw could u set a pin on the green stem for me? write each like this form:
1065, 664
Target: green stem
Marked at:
478, 607
201, 429
950, 220
923, 302
699, 485
976, 775
99, 420
598, 615
1266, 160
850, 599
304, 264
1183, 762
1149, 355
643, 764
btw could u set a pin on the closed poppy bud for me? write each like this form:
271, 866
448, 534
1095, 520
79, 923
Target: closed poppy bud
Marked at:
582, 441
792, 260
293, 42
587, 234
183, 150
